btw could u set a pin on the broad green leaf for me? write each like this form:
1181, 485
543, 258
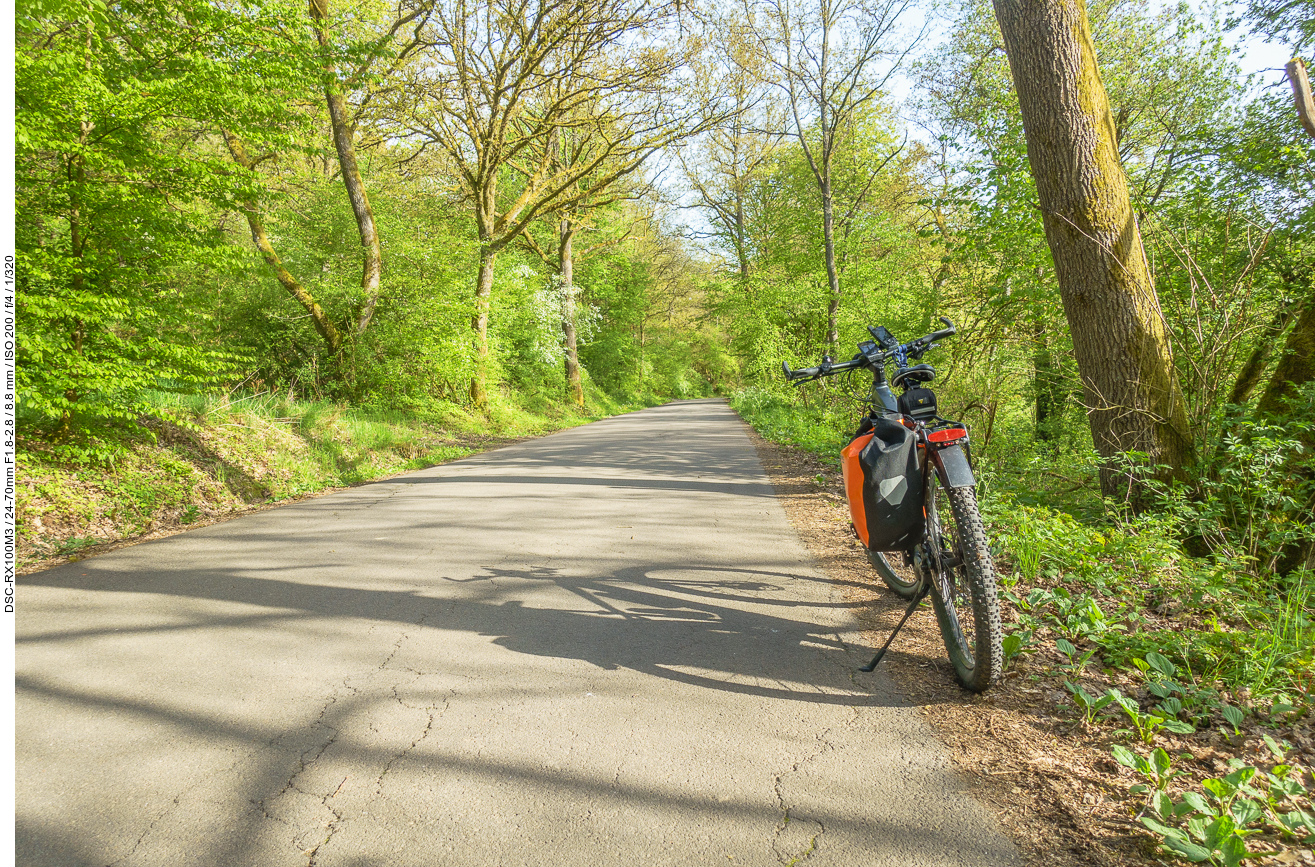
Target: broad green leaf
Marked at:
1124, 756
1233, 851
1221, 789
1190, 851
1163, 830
1241, 776
1218, 831
1245, 811
1198, 803
1161, 663
1162, 761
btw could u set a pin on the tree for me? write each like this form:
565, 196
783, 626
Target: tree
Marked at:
328, 330
343, 125
567, 222
583, 138
1119, 339
827, 67
502, 78
1292, 23
359, 57
1172, 88
722, 165
109, 182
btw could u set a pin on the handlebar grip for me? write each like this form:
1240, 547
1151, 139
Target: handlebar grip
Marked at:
944, 332
801, 373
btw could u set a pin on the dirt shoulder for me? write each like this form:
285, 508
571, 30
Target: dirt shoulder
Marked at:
1050, 779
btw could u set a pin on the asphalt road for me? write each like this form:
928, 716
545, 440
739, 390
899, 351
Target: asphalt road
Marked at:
603, 647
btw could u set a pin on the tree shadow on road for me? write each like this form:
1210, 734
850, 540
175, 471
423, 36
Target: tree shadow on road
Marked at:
715, 626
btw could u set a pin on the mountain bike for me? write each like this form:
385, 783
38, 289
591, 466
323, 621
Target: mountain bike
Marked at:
911, 491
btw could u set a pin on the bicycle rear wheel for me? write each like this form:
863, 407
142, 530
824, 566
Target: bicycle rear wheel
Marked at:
905, 588
964, 593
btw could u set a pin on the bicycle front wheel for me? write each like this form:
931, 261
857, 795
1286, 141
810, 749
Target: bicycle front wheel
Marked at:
964, 591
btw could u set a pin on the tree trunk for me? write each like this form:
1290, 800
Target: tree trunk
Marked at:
1301, 95
566, 269
326, 328
1123, 354
371, 254
1249, 377
1045, 383
479, 323
832, 276
1296, 367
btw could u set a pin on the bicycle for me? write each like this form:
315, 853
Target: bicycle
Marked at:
941, 535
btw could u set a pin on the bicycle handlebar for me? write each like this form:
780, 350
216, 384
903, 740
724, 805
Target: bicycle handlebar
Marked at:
826, 368
914, 348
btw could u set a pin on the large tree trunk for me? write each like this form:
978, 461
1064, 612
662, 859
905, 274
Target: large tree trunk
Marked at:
1123, 354
566, 268
324, 325
371, 254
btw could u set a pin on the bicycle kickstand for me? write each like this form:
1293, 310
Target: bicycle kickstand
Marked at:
917, 600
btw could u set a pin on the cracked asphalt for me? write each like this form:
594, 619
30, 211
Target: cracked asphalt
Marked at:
603, 647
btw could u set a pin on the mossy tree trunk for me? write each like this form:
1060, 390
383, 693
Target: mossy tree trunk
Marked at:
1296, 366
1119, 340
250, 208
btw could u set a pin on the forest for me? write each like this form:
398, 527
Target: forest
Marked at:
266, 247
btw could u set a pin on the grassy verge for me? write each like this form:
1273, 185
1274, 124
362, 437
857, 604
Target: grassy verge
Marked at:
216, 456
1193, 674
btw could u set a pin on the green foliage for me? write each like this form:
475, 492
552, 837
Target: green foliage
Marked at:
108, 191
1256, 500
780, 420
1211, 824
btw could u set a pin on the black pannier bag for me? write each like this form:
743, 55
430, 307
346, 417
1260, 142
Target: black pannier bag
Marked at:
892, 487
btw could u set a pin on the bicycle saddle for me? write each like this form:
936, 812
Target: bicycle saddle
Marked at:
916, 373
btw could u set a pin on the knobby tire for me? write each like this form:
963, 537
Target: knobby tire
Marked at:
977, 654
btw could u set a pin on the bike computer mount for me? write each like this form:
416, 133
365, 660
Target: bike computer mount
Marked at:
884, 338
